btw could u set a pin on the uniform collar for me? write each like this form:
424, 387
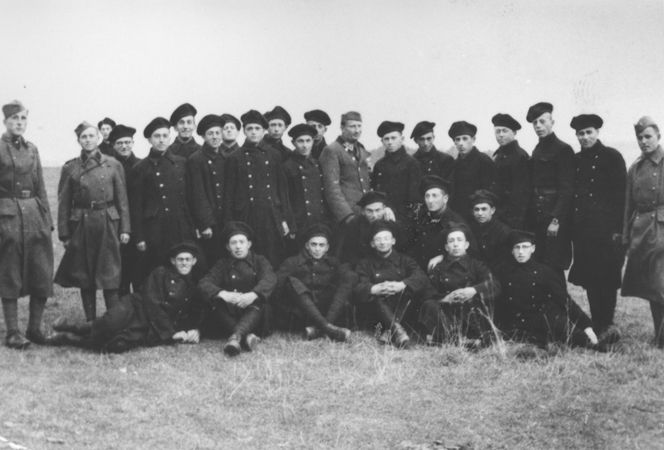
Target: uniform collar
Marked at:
598, 146
473, 151
548, 139
463, 261
156, 155
182, 141
94, 155
16, 141
509, 148
397, 155
209, 151
306, 258
424, 154
657, 155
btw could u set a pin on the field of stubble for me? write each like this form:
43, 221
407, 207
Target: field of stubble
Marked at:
296, 394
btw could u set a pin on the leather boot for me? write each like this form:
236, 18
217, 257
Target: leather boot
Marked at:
399, 336
233, 345
249, 342
111, 298
337, 333
34, 333
89, 300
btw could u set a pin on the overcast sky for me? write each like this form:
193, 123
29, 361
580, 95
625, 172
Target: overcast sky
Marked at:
445, 60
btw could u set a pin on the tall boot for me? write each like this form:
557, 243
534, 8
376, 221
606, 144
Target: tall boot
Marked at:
243, 335
34, 333
311, 311
89, 300
111, 298
14, 337
602, 303
657, 312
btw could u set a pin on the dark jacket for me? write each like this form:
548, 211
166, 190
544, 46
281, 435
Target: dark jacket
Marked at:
435, 162
493, 245
398, 175
512, 183
205, 187
183, 149
396, 267
106, 148
277, 146
474, 171
318, 147
251, 274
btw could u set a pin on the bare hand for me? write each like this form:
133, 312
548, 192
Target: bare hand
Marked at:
206, 233
552, 229
394, 287
247, 299
193, 337
229, 297
180, 336
284, 225
459, 295
389, 215
141, 246
65, 243
433, 262
124, 238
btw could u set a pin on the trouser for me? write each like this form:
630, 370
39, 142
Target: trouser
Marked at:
89, 300
602, 302
293, 309
234, 320
10, 312
399, 309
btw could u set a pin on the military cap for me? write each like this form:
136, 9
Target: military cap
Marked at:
207, 122
278, 113
381, 225
302, 129
184, 110
225, 118
234, 228
434, 181
155, 124
388, 127
81, 127
253, 116
519, 236
106, 121
121, 131
12, 108
421, 129
645, 122
372, 197
583, 121
351, 115
537, 110
483, 196
182, 247
317, 115
317, 229
505, 120
462, 128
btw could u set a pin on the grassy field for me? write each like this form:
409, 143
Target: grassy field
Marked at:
296, 394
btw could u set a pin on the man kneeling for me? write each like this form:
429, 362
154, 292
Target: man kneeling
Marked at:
237, 287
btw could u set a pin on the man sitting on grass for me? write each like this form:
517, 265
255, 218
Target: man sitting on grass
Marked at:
462, 305
166, 310
314, 288
237, 288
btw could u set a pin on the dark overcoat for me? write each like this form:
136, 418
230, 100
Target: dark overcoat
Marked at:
277, 146
182, 148
318, 147
473, 171
493, 244
353, 239
512, 183
435, 162
130, 256
398, 175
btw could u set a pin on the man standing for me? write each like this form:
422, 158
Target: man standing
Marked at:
278, 121
599, 201
229, 132
105, 126
345, 169
552, 182
512, 172
183, 120
320, 121
432, 161
473, 170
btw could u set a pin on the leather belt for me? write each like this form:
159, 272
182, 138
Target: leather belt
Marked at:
93, 205
24, 194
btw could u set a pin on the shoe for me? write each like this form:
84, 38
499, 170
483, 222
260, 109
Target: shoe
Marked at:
609, 336
400, 338
16, 340
311, 333
63, 338
385, 337
232, 346
429, 341
249, 342
36, 336
338, 334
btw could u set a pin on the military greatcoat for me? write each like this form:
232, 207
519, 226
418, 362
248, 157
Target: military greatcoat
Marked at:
184, 148
398, 175
473, 171
512, 183
435, 162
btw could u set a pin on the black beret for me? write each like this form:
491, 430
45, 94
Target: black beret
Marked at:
317, 229
584, 121
537, 110
317, 115
225, 118
207, 122
253, 116
505, 120
381, 225
157, 123
519, 236
434, 181
182, 247
278, 113
483, 196
234, 228
388, 127
121, 131
106, 121
302, 129
421, 129
184, 110
372, 197
462, 128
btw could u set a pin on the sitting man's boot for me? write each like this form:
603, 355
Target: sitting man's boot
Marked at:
311, 333
335, 333
233, 345
249, 342
16, 340
400, 338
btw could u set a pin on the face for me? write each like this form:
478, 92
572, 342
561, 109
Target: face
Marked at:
276, 128
105, 131
464, 143
254, 132
320, 129
648, 139
425, 142
374, 211
160, 139
124, 146
185, 127
383, 242
229, 133
523, 251
587, 137
212, 137
317, 247
504, 135
543, 125
483, 212
351, 130
435, 199
89, 139
303, 144
17, 123
183, 263
456, 244
239, 246
392, 141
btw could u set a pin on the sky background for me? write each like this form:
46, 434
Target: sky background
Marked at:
445, 60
